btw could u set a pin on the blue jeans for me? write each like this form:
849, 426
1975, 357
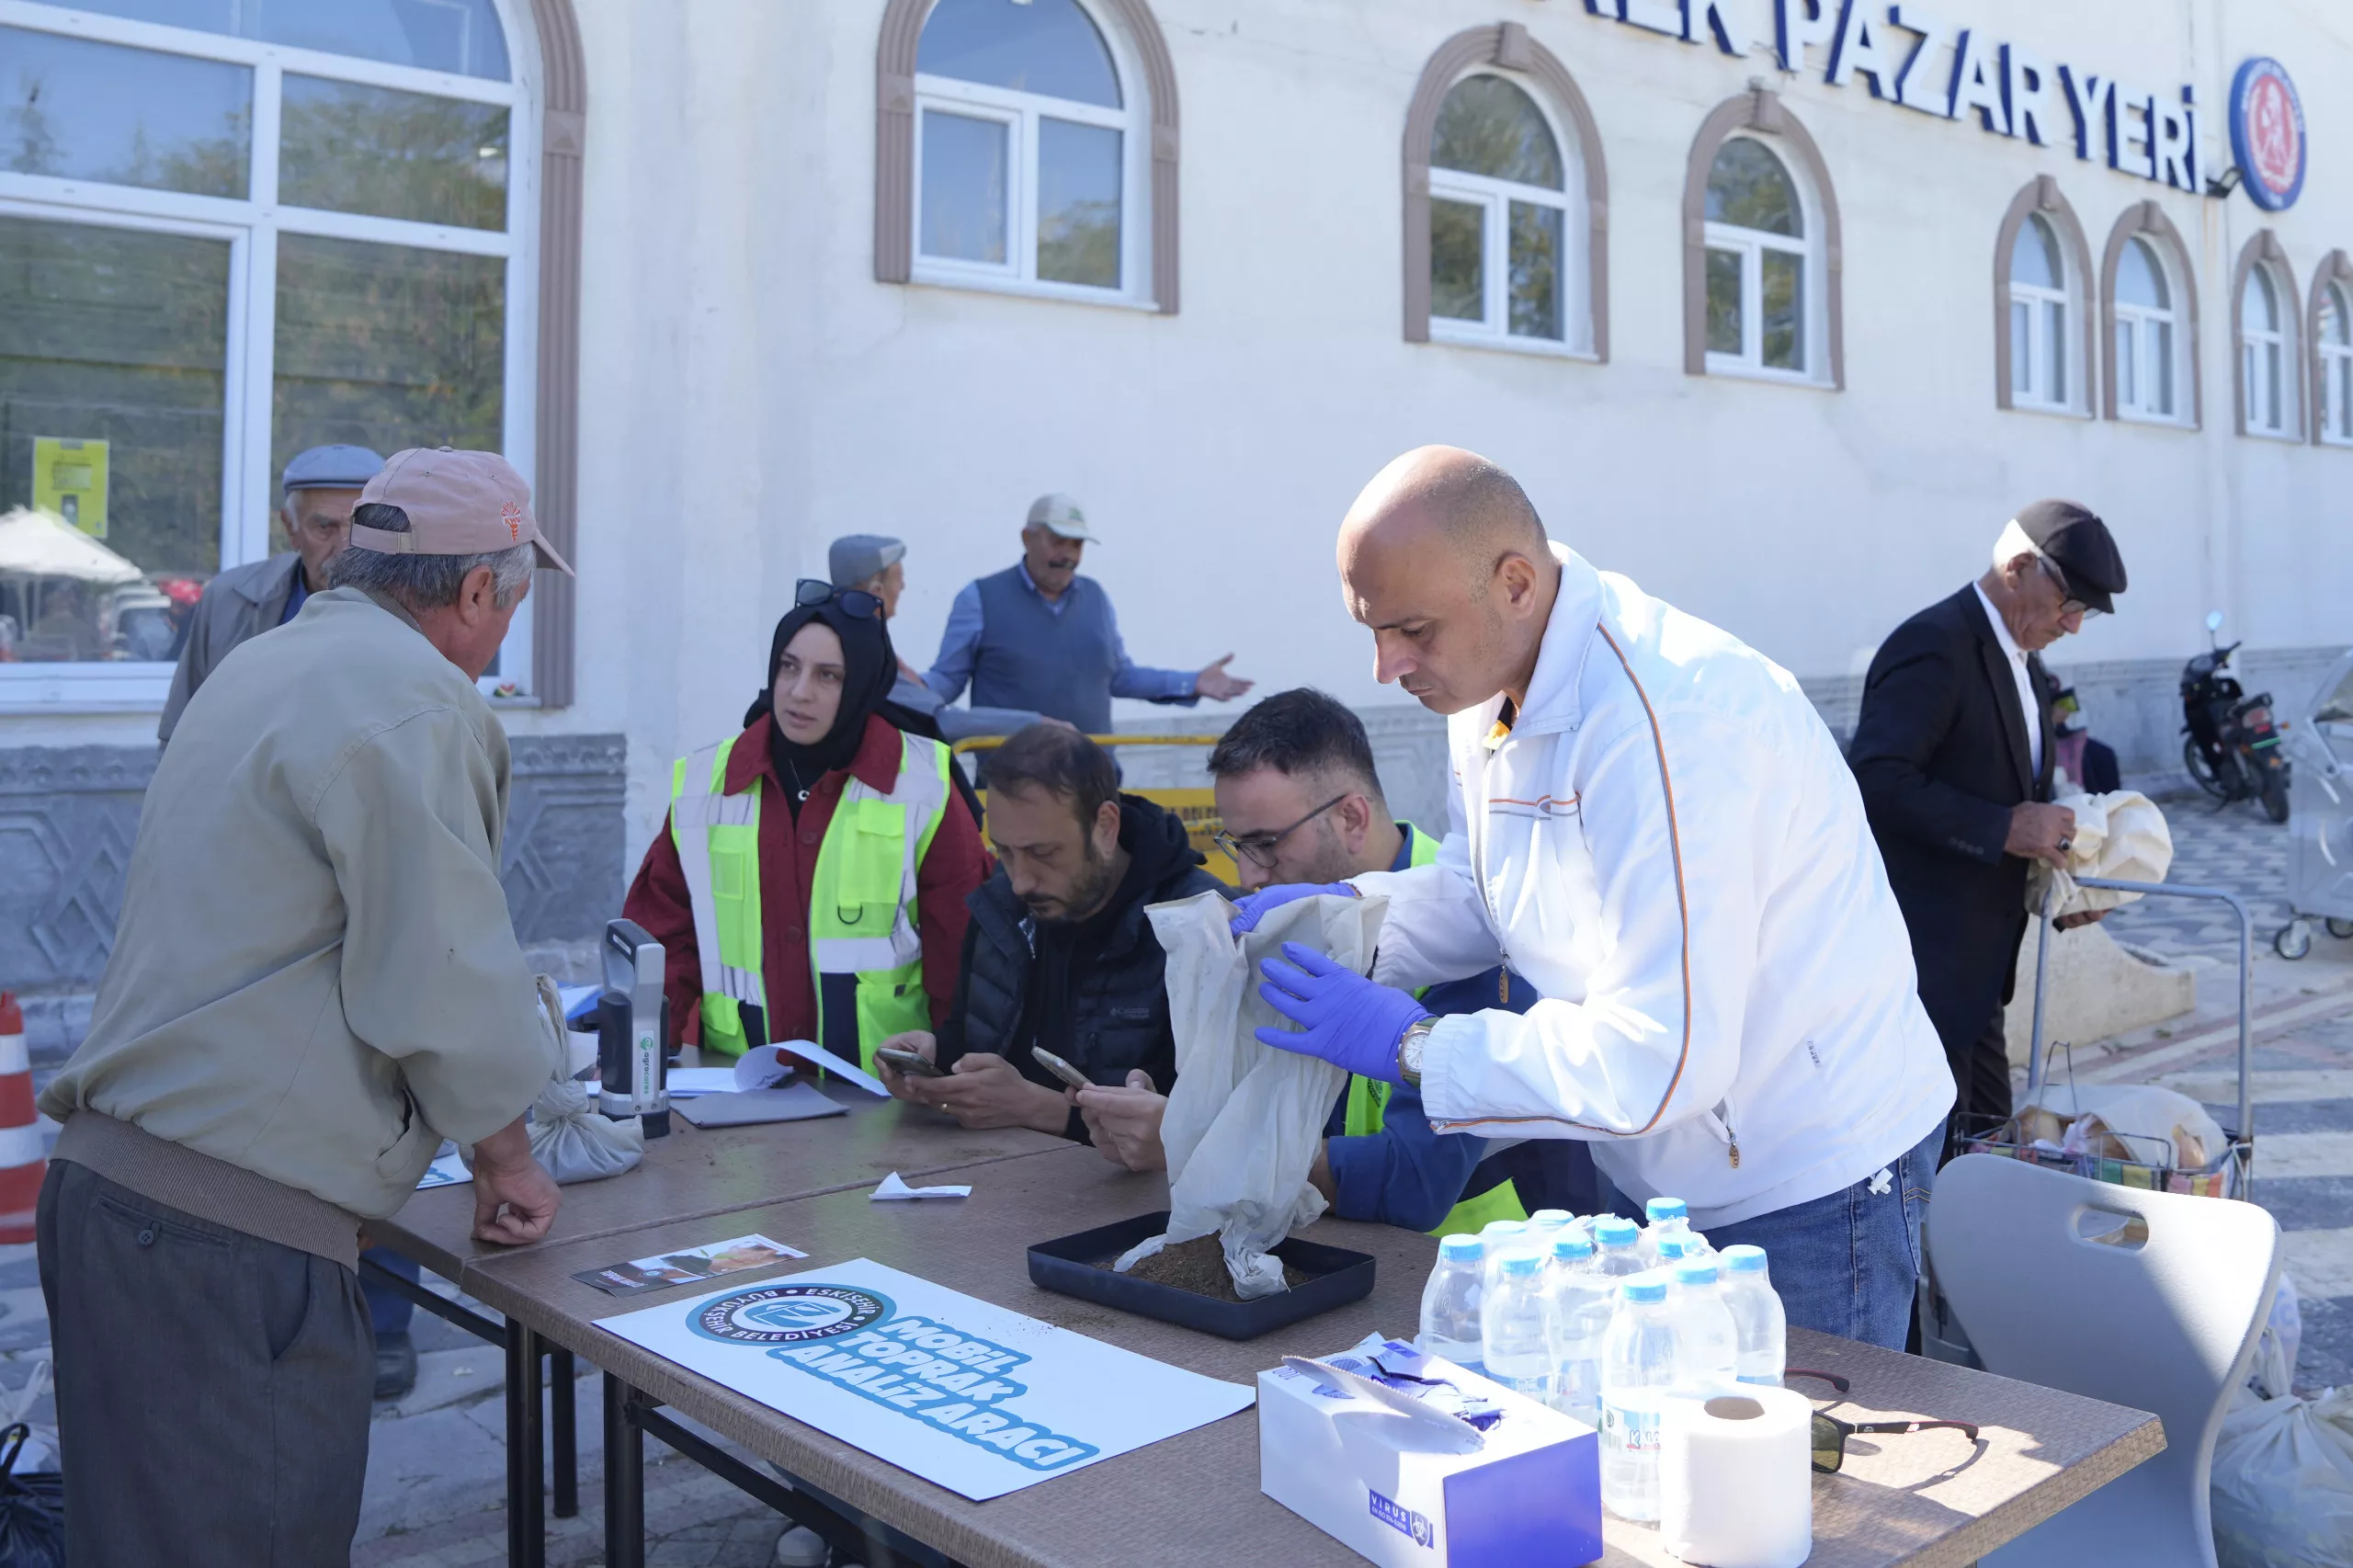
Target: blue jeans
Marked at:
1849, 1263
388, 1312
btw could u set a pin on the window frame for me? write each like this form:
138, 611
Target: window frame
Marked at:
2262, 254
1506, 49
2040, 199
1761, 114
1751, 245
2146, 221
1496, 196
2257, 343
249, 484
2333, 277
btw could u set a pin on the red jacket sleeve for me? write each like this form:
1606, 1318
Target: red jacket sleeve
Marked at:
659, 902
956, 864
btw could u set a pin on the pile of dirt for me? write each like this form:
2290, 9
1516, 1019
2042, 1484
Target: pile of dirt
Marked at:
1198, 1266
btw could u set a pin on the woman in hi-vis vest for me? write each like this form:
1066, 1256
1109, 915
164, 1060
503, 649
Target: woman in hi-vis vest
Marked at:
810, 883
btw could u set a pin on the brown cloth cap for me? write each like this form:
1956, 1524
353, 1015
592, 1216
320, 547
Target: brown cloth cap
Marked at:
458, 504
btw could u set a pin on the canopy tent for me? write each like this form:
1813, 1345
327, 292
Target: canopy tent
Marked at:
40, 544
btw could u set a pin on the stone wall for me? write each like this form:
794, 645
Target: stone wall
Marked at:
68, 815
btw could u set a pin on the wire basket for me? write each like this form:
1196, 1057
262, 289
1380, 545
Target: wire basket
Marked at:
2226, 1175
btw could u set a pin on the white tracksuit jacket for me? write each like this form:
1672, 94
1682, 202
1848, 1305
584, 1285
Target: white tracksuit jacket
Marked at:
1668, 846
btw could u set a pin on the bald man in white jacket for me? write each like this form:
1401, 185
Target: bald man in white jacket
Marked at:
1650, 823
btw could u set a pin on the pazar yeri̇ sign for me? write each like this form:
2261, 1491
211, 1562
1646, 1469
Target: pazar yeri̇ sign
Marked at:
972, 1397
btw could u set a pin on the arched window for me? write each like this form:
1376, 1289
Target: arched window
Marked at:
1506, 197
2333, 353
1500, 262
2038, 334
2145, 335
1032, 141
1757, 287
1761, 281
2149, 304
205, 230
2270, 331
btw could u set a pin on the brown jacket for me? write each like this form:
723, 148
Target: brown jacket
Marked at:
242, 602
314, 978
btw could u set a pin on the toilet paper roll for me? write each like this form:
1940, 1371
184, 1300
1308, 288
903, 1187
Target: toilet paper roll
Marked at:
1737, 1480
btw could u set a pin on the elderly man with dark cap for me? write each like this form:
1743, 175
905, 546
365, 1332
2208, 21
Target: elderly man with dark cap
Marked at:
317, 492
314, 982
877, 564
1954, 750
1037, 635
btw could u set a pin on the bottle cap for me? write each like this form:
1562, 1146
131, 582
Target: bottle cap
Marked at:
1521, 1263
1571, 1247
1643, 1290
1459, 1248
1502, 1227
1667, 1208
1614, 1232
1695, 1271
1672, 1247
1551, 1219
1744, 1259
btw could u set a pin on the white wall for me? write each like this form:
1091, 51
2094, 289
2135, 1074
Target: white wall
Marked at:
750, 391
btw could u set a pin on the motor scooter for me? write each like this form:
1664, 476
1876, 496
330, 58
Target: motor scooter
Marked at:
2233, 746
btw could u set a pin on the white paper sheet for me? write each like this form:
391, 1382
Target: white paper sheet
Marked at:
967, 1395
894, 1186
818, 1056
685, 1083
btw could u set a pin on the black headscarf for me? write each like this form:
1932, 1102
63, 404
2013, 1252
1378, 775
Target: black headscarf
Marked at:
869, 670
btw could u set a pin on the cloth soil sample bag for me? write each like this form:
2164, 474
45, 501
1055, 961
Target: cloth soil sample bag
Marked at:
571, 1138
2122, 837
1243, 1121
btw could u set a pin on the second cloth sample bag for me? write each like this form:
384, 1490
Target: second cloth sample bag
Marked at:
1245, 1122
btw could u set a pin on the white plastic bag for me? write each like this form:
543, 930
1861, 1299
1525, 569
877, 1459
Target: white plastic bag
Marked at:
2273, 1375
1245, 1122
2283, 1483
571, 1138
2120, 835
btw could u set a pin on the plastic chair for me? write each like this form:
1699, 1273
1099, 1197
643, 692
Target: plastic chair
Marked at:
2150, 1299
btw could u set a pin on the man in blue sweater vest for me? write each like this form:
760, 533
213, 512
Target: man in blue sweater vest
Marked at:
1038, 636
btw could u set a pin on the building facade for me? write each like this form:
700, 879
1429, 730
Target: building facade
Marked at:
1781, 307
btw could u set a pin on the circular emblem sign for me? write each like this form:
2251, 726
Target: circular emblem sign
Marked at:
2268, 133
791, 1315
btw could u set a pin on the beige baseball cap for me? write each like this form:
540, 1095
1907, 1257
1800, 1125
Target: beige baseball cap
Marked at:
1058, 513
458, 504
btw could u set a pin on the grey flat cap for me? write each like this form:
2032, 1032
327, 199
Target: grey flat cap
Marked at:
331, 468
853, 558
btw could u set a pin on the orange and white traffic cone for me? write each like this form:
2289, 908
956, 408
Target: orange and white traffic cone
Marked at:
23, 1161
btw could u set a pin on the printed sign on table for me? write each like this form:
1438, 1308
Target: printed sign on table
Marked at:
968, 1396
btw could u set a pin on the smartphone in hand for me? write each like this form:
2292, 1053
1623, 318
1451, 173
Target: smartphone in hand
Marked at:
1060, 1069
913, 1064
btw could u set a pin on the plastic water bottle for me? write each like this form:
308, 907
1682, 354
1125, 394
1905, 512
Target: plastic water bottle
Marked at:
1450, 1304
1501, 1238
1757, 1320
1617, 1246
1515, 1340
1669, 1217
1707, 1345
1580, 1301
1546, 1224
1637, 1371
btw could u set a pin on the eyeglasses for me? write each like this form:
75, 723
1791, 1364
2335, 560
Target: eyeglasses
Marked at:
2068, 603
1260, 847
817, 591
1830, 1436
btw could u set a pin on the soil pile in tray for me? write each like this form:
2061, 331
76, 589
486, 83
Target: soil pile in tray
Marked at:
1198, 1266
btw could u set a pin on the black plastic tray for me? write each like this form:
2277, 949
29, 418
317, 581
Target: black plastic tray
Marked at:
1068, 1265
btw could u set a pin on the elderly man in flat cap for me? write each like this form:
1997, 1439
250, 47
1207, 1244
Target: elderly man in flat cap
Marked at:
317, 492
1953, 751
314, 982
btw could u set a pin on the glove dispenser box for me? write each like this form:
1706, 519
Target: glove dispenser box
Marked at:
1381, 1486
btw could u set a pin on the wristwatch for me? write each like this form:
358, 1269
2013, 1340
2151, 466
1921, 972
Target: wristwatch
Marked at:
1409, 1050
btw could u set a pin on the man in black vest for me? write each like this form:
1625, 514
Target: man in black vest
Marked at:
1059, 954
1953, 752
1038, 636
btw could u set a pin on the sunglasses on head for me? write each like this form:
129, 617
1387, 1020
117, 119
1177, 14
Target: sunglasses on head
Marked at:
1830, 1433
816, 591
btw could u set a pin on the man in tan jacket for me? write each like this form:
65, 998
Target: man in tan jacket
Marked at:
314, 982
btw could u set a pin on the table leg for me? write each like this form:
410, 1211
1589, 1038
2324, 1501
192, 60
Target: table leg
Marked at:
527, 1538
565, 1437
624, 1480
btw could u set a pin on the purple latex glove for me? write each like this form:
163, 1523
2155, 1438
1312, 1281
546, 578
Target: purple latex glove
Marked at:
1346, 1019
1253, 907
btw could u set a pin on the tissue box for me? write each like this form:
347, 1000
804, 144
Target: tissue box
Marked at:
1532, 1494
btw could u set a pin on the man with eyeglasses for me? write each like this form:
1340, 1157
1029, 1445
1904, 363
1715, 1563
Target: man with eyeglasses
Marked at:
1954, 750
1300, 801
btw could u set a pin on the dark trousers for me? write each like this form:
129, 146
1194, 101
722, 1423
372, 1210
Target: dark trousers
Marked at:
1980, 1076
213, 1388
